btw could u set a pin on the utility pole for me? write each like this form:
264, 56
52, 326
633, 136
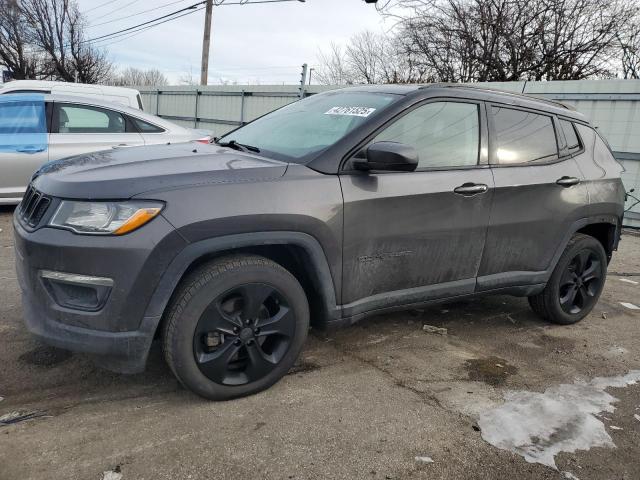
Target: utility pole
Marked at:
303, 81
206, 42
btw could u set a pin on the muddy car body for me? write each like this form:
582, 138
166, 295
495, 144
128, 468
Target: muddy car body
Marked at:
347, 204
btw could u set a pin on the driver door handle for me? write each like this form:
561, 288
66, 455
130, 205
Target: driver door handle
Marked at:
469, 189
568, 181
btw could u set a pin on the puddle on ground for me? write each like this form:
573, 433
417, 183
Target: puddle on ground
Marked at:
491, 370
45, 356
538, 426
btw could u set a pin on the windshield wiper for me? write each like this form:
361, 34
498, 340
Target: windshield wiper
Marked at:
238, 146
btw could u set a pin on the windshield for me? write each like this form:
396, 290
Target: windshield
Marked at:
302, 129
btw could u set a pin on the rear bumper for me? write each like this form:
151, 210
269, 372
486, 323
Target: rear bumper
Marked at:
119, 333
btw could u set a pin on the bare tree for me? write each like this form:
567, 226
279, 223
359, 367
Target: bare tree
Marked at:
45, 38
332, 70
57, 28
188, 78
368, 58
132, 76
502, 40
15, 51
630, 52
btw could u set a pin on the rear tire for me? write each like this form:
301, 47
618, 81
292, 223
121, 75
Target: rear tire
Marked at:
235, 326
575, 284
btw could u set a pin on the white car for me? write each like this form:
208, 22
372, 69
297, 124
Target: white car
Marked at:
125, 96
35, 129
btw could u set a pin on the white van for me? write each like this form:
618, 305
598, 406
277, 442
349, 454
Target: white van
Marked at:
124, 96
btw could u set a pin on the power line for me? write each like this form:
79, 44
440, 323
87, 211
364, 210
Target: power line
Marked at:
124, 30
129, 34
117, 9
101, 5
124, 36
173, 16
137, 14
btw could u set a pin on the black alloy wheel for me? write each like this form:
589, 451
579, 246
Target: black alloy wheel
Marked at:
235, 326
243, 334
575, 284
581, 282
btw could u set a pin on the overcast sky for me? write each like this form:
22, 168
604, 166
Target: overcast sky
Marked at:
264, 43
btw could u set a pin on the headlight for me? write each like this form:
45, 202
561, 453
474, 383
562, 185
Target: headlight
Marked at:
104, 218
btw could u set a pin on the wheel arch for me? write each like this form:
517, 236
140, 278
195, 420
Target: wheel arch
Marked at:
604, 228
299, 253
605, 232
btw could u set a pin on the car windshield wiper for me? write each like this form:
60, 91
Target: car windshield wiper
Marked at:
238, 146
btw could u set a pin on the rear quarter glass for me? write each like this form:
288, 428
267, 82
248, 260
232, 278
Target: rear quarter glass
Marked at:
23, 123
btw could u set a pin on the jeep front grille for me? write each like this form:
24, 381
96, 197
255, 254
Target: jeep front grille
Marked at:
33, 207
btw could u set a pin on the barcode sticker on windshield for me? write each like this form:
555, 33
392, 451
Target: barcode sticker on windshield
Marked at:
351, 111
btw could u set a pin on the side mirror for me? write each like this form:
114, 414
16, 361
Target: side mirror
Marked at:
388, 156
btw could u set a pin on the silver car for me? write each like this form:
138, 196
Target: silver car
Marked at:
37, 128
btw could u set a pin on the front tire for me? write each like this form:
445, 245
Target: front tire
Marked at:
575, 284
235, 326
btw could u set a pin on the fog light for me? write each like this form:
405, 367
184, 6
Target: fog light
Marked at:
80, 292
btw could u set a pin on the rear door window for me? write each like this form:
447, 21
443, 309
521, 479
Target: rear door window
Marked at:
73, 118
523, 137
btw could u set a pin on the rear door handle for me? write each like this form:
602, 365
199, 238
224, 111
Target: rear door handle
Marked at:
121, 145
469, 189
30, 149
568, 181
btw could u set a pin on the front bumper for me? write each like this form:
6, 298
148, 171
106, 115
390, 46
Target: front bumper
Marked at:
119, 334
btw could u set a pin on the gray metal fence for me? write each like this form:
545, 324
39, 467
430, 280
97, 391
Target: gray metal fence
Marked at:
613, 106
219, 108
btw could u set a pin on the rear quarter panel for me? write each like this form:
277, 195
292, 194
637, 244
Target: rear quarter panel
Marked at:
601, 174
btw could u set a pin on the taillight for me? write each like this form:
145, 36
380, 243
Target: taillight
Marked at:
206, 140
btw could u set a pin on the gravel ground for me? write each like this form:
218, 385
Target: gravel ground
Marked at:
363, 402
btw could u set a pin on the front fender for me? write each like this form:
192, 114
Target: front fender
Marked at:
176, 269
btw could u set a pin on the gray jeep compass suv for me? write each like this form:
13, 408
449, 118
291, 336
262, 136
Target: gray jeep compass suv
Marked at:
345, 204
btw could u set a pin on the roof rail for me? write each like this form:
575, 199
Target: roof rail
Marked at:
497, 90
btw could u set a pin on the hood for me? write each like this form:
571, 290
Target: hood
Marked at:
125, 172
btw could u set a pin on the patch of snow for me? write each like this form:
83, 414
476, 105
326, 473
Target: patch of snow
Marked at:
424, 459
538, 426
636, 416
628, 281
630, 306
432, 329
613, 427
111, 475
569, 476
8, 417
